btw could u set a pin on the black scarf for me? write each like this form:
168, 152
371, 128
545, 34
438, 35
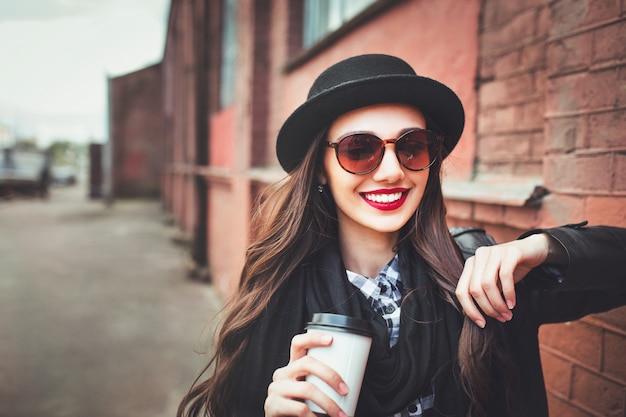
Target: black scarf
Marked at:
423, 360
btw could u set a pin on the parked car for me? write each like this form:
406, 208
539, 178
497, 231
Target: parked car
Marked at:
24, 172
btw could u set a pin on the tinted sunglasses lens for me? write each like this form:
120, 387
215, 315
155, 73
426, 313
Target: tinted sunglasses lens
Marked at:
359, 153
416, 149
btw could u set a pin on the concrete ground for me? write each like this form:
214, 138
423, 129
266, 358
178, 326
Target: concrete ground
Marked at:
97, 315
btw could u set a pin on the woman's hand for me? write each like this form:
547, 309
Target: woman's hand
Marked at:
288, 389
489, 277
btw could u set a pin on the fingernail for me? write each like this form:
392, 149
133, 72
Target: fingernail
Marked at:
343, 389
510, 304
481, 323
326, 339
342, 414
505, 317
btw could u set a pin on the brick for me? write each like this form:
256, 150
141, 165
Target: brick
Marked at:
544, 19
533, 55
594, 90
521, 217
507, 63
597, 393
461, 210
619, 184
579, 172
614, 357
606, 210
557, 373
620, 91
541, 77
488, 213
532, 115
559, 408
615, 317
609, 43
565, 134
490, 15
502, 233
486, 67
503, 147
497, 13
570, 54
509, 90
561, 209
496, 120
528, 169
568, 15
606, 129
516, 30
497, 168
577, 339
538, 146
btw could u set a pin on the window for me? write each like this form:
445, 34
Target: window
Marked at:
322, 17
229, 53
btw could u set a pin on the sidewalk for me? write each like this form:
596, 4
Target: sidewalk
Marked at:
97, 316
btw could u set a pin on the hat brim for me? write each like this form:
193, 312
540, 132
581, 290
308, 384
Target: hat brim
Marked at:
440, 105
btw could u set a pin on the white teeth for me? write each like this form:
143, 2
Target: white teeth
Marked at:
383, 198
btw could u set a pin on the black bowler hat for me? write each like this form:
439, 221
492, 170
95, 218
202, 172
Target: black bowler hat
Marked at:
361, 81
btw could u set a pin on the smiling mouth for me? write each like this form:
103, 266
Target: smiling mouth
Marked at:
383, 198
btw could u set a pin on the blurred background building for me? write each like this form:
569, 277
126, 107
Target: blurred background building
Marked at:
543, 83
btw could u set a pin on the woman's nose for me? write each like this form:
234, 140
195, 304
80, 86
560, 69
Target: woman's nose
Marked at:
389, 169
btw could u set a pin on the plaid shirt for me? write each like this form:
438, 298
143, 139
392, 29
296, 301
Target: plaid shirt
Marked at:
385, 295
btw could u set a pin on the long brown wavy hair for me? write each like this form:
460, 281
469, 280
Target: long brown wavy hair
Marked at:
293, 221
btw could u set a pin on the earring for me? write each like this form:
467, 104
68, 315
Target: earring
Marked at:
320, 188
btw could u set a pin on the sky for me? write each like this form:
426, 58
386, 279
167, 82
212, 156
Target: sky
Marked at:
56, 57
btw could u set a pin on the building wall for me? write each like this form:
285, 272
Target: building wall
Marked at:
137, 132
542, 83
180, 159
551, 94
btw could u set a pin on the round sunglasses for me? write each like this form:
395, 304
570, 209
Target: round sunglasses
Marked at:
361, 152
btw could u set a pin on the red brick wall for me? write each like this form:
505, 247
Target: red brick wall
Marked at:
179, 109
552, 107
137, 133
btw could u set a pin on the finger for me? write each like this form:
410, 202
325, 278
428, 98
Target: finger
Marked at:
486, 287
308, 365
463, 295
279, 404
507, 280
479, 284
288, 397
301, 343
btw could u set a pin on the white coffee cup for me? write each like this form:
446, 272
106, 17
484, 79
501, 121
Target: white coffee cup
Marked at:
347, 355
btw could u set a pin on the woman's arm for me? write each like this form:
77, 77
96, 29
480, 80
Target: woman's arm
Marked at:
590, 258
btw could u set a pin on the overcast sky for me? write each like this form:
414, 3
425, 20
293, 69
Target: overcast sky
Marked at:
56, 55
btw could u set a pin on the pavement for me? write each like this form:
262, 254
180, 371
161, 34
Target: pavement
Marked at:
98, 317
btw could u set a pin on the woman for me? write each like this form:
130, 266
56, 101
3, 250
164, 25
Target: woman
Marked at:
358, 228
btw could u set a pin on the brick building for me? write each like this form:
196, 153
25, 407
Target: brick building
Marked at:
543, 83
136, 122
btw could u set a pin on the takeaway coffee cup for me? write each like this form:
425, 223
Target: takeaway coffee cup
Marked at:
352, 339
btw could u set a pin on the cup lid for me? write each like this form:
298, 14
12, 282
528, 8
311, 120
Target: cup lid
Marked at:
341, 322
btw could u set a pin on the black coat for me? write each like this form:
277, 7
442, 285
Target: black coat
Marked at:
594, 282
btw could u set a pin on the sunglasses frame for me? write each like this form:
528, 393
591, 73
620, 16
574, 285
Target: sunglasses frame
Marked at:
437, 142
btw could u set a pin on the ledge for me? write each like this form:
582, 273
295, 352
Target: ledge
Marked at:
496, 190
267, 175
